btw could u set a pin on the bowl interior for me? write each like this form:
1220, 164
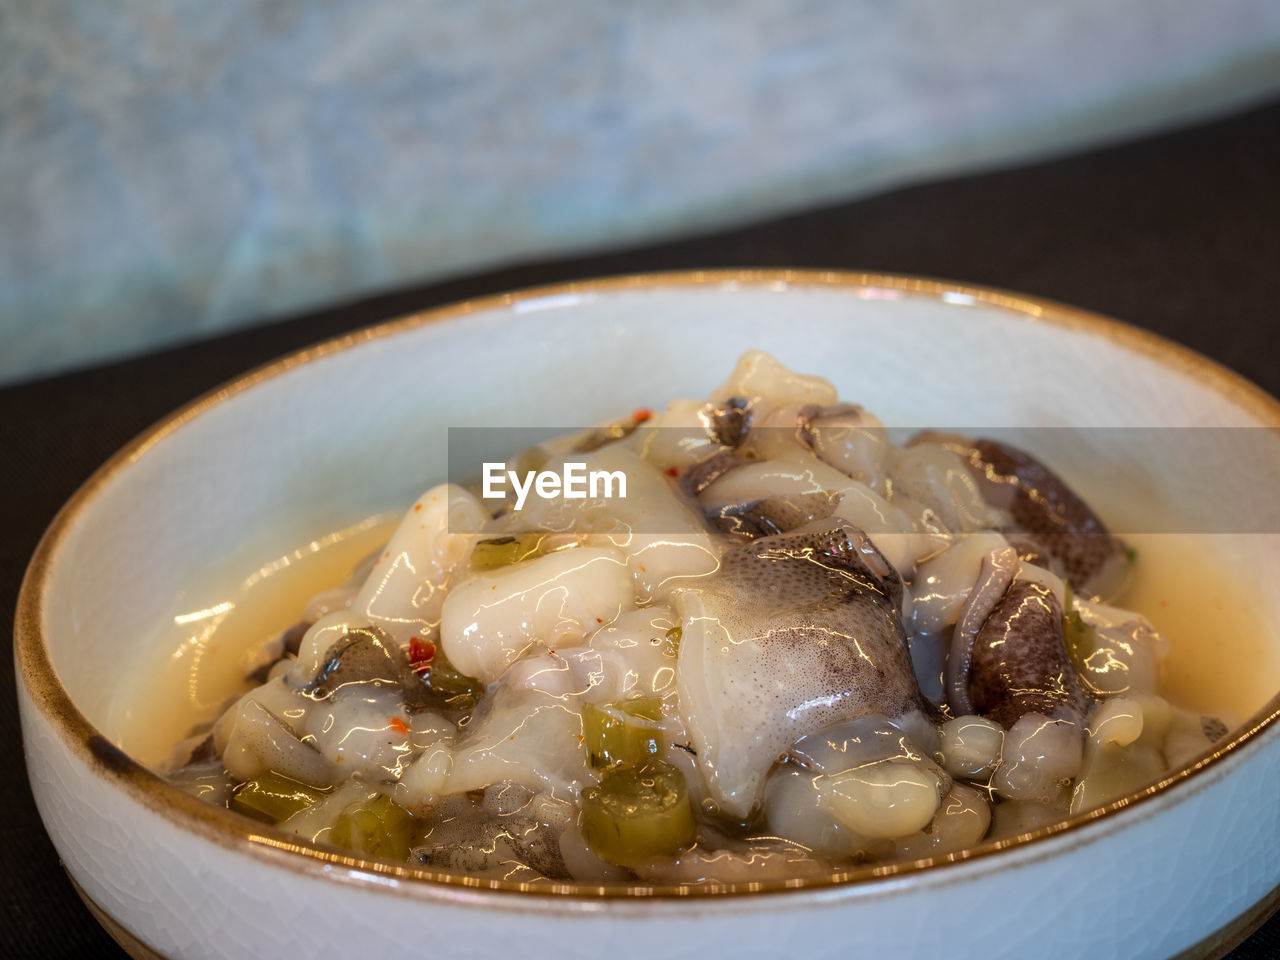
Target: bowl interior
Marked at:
354, 431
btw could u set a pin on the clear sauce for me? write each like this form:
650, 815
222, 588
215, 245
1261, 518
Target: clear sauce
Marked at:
1224, 657
202, 657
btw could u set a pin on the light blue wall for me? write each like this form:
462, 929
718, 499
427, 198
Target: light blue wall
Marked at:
168, 170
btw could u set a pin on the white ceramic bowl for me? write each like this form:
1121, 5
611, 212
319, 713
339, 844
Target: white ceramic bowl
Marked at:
359, 424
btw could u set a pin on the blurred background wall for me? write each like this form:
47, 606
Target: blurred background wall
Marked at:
172, 169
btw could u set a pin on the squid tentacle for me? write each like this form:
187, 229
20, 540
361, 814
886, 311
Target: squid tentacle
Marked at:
999, 567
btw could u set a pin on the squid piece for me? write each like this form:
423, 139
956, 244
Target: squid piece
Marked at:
939, 592
520, 734
325, 635
780, 432
526, 737
803, 485
996, 573
1048, 521
1038, 759
1020, 663
1015, 672
849, 438
341, 657
513, 833
962, 821
662, 538
254, 739
1118, 653
727, 422
316, 821
691, 431
761, 380
1123, 750
855, 788
704, 473
631, 657
795, 633
423, 781
935, 484
489, 621
405, 591
361, 657
944, 583
366, 731
970, 746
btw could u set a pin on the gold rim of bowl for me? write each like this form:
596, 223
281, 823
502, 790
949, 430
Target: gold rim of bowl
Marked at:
36, 672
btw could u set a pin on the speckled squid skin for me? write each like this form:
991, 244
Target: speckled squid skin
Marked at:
1050, 524
818, 608
827, 584
1054, 517
1020, 662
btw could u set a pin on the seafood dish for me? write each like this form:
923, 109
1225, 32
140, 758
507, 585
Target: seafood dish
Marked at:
751, 636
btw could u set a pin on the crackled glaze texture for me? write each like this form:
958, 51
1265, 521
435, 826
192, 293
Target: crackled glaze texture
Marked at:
1147, 881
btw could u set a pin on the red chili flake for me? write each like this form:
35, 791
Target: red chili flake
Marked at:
421, 653
398, 725
417, 507
387, 554
599, 620
642, 414
671, 472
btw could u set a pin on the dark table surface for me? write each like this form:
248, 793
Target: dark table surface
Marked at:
1179, 234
